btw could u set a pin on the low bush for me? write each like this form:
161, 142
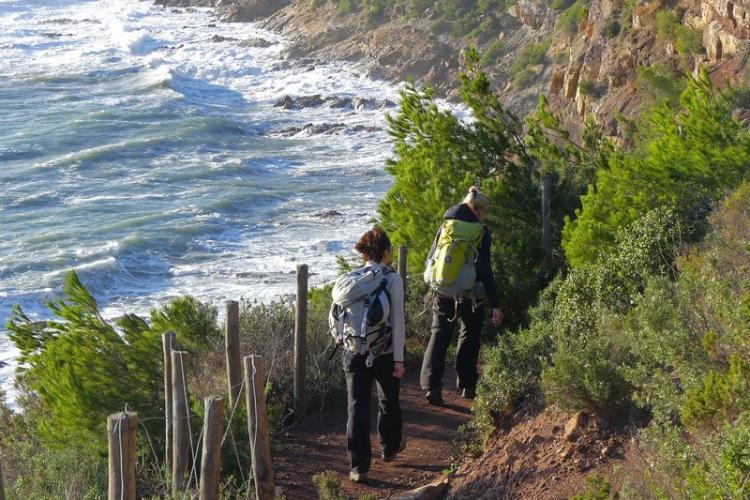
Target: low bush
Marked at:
531, 55
571, 18
611, 27
688, 40
666, 21
329, 486
492, 53
597, 488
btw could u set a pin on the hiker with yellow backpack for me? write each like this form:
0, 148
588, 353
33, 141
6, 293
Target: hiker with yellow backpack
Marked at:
461, 280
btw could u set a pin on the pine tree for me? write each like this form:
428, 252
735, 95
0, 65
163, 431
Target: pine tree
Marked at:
687, 156
438, 156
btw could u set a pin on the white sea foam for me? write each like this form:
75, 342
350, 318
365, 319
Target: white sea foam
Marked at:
158, 177
111, 248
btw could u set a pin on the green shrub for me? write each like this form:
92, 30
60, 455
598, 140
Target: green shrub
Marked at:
104, 369
721, 395
346, 6
598, 488
569, 21
585, 375
588, 88
688, 40
523, 78
492, 53
329, 486
666, 21
561, 4
510, 373
531, 55
611, 27
687, 156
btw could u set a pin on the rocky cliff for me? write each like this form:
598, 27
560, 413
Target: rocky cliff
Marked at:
599, 58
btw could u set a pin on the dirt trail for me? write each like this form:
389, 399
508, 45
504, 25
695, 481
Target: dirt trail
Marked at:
316, 445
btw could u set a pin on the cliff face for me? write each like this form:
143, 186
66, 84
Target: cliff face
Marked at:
600, 58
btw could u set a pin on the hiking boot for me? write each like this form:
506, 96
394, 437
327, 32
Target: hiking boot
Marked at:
469, 393
358, 477
392, 456
434, 397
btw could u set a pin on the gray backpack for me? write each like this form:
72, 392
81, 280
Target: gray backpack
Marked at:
360, 310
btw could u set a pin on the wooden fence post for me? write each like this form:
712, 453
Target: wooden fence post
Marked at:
300, 339
167, 341
257, 426
121, 432
2, 484
211, 458
232, 343
180, 430
403, 251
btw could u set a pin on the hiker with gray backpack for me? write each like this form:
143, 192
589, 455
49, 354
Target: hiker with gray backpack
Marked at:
367, 320
461, 280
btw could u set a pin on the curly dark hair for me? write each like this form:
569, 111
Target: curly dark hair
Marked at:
373, 244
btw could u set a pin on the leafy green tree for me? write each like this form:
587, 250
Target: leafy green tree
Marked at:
438, 156
571, 165
80, 367
686, 157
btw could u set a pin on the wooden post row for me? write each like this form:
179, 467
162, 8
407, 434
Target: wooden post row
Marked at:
232, 343
168, 340
300, 339
180, 430
121, 433
211, 458
257, 425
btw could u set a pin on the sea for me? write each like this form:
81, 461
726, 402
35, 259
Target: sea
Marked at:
142, 147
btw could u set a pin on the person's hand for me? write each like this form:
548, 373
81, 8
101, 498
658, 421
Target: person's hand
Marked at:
398, 369
497, 316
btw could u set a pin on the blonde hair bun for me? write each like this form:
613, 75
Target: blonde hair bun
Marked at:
476, 199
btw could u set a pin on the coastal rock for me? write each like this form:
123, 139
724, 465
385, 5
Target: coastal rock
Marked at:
328, 214
360, 104
220, 39
340, 102
260, 43
252, 10
311, 129
432, 491
310, 101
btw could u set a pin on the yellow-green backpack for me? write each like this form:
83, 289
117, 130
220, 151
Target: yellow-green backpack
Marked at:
451, 270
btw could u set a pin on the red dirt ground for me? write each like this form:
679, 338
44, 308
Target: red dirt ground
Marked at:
528, 459
315, 445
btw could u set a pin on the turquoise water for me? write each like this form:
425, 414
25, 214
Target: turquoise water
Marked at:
149, 158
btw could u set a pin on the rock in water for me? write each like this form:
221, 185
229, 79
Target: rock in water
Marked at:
219, 39
260, 43
285, 102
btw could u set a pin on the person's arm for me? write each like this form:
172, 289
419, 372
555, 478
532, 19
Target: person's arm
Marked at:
397, 320
485, 270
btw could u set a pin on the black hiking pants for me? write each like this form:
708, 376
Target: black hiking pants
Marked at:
444, 319
359, 378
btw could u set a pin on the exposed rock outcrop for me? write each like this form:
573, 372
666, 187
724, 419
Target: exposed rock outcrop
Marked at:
592, 72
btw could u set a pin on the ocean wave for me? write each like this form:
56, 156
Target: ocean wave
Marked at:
110, 248
35, 199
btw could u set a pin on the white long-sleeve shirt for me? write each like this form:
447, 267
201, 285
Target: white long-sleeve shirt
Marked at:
396, 318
